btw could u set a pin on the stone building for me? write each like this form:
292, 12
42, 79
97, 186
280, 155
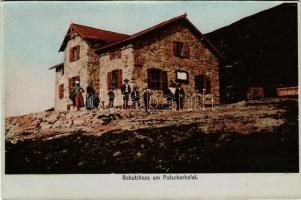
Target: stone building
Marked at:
174, 51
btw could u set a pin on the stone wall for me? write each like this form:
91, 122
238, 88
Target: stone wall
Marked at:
157, 52
85, 67
154, 51
93, 69
126, 63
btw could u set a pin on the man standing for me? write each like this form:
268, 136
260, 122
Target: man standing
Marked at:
126, 91
92, 101
135, 96
146, 98
179, 96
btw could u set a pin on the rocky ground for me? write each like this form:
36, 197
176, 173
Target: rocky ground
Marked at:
253, 136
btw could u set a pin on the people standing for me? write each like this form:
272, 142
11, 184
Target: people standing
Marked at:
76, 96
146, 98
179, 96
111, 96
92, 101
126, 91
169, 98
135, 96
90, 89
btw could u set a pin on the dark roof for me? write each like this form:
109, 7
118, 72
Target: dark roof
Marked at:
181, 18
87, 32
56, 66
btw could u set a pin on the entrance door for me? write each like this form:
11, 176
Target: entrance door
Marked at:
202, 82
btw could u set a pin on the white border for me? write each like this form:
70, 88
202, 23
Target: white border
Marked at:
98, 186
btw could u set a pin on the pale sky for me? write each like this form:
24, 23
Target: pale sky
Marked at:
33, 32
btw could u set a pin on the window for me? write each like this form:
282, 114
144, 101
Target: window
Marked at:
72, 82
202, 82
115, 54
157, 79
60, 70
182, 76
114, 79
181, 50
61, 91
74, 53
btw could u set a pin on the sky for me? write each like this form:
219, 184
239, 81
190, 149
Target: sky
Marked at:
34, 31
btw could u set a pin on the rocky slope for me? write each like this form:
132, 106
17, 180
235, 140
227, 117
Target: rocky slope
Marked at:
254, 136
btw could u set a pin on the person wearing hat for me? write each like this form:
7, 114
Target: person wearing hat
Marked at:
76, 96
135, 96
92, 100
126, 91
146, 98
179, 96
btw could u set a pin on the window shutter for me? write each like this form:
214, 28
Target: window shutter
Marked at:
119, 78
118, 53
61, 91
164, 80
109, 80
111, 55
186, 50
175, 51
78, 52
207, 85
149, 78
70, 55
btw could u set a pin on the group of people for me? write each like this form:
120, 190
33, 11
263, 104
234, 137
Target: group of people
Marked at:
134, 94
174, 93
92, 100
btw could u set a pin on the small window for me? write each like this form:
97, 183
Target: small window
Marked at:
74, 53
181, 76
157, 79
114, 79
115, 54
60, 70
61, 91
180, 49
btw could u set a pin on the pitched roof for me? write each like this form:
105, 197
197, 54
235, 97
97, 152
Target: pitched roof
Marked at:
87, 32
181, 18
56, 66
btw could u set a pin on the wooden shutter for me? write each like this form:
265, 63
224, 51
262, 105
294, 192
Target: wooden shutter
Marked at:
71, 55
118, 53
186, 50
149, 78
119, 72
175, 50
207, 85
164, 80
109, 80
61, 91
78, 52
